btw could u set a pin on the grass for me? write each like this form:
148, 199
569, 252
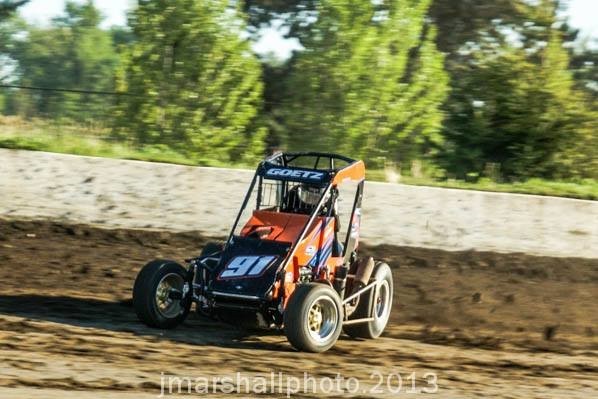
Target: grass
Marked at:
39, 135
93, 147
581, 189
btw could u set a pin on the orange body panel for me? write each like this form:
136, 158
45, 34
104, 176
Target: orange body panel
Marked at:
355, 172
315, 250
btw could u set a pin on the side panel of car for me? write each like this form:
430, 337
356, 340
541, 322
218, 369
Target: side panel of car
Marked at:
315, 252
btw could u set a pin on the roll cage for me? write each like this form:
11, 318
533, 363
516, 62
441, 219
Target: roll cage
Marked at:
287, 170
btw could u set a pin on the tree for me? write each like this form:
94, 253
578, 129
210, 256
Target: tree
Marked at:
296, 15
8, 26
462, 21
517, 109
584, 64
7, 7
369, 82
514, 105
197, 86
74, 53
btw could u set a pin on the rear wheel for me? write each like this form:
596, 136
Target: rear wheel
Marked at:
313, 318
211, 248
381, 300
160, 297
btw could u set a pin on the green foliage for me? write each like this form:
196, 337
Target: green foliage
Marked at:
369, 83
461, 21
584, 64
295, 13
74, 53
196, 85
7, 7
514, 106
9, 26
514, 112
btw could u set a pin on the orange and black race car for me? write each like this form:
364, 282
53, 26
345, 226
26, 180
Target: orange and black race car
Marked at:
289, 262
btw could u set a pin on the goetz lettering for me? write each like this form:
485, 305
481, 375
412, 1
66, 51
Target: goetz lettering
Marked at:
305, 174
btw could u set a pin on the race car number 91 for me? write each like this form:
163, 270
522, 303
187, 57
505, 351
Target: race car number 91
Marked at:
246, 266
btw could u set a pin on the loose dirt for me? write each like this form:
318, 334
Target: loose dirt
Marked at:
486, 324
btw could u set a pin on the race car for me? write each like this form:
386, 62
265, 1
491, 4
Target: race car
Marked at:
290, 261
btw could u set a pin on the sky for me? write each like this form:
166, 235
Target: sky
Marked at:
582, 14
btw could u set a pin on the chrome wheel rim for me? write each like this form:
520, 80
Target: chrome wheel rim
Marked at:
383, 300
167, 306
322, 318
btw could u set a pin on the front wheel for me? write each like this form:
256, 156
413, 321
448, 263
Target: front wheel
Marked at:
313, 318
375, 303
160, 297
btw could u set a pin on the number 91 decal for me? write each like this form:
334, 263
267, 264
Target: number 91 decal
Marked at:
246, 266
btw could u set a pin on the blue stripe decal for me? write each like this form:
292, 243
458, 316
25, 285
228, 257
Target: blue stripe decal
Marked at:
323, 226
322, 255
326, 255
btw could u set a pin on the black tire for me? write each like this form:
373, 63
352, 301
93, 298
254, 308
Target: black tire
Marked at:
373, 329
303, 335
145, 294
212, 247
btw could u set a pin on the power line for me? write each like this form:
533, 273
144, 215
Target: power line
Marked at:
105, 93
80, 91
111, 93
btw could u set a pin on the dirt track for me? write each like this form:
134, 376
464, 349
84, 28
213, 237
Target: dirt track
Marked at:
487, 324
